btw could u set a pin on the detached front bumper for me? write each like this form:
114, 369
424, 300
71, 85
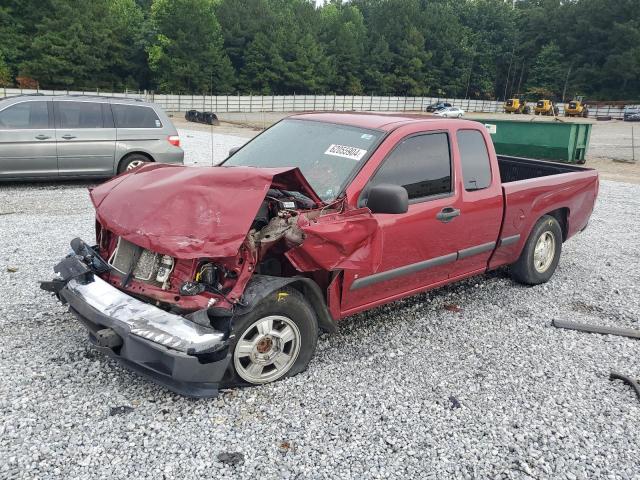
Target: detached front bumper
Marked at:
186, 357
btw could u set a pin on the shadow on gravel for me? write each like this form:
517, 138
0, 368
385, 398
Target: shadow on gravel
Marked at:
449, 297
51, 185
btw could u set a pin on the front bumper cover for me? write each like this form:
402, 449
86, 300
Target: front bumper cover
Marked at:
170, 349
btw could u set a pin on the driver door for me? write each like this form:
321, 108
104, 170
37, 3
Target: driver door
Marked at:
417, 247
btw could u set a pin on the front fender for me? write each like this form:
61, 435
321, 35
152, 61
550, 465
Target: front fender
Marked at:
260, 286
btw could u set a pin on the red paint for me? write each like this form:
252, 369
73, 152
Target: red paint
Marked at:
204, 214
189, 212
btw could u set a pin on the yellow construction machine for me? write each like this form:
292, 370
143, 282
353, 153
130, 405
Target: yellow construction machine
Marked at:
516, 105
576, 108
546, 107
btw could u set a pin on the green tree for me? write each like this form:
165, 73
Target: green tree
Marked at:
264, 67
548, 71
186, 53
5, 73
343, 35
84, 45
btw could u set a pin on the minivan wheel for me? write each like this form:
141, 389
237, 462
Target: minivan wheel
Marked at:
132, 161
276, 339
541, 253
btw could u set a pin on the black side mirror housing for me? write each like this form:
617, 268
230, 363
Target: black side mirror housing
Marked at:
387, 198
234, 150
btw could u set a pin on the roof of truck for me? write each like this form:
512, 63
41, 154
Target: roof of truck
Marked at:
377, 121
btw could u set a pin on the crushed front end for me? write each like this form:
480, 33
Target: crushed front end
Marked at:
171, 348
180, 251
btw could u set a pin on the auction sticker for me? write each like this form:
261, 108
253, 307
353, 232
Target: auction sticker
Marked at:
353, 153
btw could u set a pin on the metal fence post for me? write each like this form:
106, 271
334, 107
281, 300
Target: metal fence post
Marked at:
633, 143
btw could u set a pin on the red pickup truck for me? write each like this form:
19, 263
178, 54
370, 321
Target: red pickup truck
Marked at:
209, 277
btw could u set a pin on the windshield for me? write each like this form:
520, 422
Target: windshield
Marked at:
325, 153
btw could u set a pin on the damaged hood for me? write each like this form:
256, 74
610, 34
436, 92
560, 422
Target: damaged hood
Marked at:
190, 212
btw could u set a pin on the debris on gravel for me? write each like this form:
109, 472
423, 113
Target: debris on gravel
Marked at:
230, 458
120, 410
408, 390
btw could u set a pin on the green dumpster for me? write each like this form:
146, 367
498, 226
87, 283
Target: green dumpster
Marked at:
559, 141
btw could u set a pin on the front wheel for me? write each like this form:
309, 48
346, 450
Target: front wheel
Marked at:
276, 339
541, 253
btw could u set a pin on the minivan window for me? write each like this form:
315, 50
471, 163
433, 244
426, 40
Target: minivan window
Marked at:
474, 157
79, 114
25, 115
421, 164
134, 116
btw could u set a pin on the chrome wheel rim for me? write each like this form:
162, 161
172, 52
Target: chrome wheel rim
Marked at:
267, 349
135, 164
544, 252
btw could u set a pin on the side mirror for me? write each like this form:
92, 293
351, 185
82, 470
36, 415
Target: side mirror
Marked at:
234, 150
387, 198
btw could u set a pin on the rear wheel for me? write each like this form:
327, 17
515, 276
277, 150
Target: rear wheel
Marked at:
132, 161
276, 339
541, 253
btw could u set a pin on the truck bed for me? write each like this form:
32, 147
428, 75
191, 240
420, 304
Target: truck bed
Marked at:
513, 169
533, 188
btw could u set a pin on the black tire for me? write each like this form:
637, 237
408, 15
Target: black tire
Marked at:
525, 270
285, 302
134, 159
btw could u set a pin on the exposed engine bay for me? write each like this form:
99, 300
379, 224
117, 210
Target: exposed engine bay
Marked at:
196, 245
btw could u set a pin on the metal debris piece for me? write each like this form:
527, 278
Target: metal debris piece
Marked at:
582, 327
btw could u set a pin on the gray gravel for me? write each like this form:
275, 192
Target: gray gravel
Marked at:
409, 390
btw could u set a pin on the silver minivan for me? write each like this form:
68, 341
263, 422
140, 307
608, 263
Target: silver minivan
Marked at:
82, 136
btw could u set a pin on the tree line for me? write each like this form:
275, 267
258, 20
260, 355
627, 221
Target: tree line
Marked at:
484, 49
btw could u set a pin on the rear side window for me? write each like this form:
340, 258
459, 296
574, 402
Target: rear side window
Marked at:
476, 168
79, 114
421, 164
25, 115
134, 116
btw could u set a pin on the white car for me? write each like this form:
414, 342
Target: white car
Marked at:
448, 112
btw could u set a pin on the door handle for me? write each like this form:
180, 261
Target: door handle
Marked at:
43, 137
447, 214
68, 137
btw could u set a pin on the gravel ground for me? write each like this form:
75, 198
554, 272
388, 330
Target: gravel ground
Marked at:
409, 390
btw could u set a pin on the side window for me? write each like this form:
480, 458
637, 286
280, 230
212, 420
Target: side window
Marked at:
476, 168
79, 114
421, 164
134, 116
25, 115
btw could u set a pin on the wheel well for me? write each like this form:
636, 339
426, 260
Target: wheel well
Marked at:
562, 216
311, 291
144, 154
262, 285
